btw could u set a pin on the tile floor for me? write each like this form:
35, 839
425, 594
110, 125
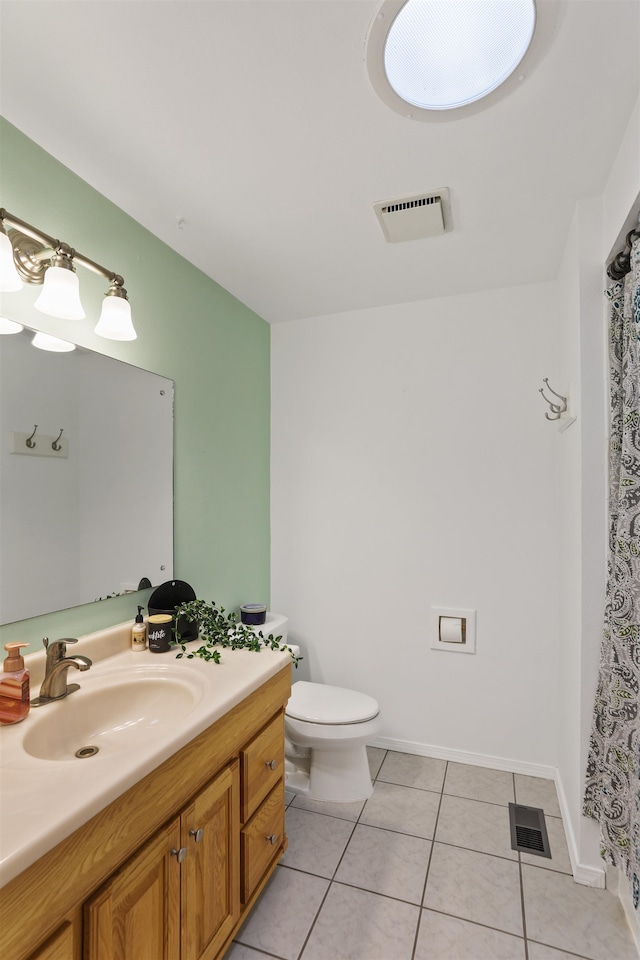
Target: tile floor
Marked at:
424, 870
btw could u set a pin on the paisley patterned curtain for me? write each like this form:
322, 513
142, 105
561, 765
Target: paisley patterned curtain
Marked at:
612, 794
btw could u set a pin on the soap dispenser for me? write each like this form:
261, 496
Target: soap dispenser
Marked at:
14, 685
139, 633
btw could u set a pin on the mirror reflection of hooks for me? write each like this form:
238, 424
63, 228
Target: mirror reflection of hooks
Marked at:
557, 409
30, 442
55, 445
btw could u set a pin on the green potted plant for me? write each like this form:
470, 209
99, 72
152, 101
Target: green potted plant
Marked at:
218, 629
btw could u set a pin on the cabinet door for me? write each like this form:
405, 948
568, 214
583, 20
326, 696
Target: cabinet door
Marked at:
137, 912
210, 875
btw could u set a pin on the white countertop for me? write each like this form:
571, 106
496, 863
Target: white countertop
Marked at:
44, 801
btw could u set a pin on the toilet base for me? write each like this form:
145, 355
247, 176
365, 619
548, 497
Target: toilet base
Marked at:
340, 776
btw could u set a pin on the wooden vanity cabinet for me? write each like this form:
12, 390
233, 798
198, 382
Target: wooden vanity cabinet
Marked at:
115, 890
177, 897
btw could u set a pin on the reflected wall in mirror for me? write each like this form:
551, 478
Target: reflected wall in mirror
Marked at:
95, 518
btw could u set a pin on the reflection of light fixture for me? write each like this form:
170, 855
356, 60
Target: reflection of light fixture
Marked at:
9, 326
36, 257
43, 341
435, 60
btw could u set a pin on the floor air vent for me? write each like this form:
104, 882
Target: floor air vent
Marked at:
528, 830
414, 218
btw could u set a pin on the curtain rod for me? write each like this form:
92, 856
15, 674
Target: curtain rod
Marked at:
621, 263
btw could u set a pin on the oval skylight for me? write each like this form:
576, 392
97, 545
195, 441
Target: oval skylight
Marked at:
433, 59
444, 55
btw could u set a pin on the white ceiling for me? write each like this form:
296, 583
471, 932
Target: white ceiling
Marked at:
255, 123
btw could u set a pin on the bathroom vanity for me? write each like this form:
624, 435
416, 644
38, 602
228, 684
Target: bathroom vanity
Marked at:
170, 865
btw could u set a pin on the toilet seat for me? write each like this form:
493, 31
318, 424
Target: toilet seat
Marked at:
320, 703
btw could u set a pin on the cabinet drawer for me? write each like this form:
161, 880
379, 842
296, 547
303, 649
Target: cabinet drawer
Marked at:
261, 840
262, 766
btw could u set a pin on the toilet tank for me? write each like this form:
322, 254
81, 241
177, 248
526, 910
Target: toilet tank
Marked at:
276, 624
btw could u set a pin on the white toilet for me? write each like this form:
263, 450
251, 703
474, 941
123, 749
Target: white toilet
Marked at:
326, 734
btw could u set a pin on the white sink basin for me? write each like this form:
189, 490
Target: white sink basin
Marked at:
117, 712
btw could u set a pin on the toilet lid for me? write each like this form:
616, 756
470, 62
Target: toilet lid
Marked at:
320, 703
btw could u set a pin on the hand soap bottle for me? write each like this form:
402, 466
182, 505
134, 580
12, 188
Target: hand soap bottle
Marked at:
139, 633
14, 685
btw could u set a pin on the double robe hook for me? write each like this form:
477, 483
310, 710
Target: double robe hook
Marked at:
31, 443
557, 409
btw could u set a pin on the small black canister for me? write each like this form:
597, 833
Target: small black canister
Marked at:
159, 632
253, 614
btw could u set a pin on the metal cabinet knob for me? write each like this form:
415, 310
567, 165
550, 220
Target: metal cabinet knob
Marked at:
272, 838
179, 854
197, 834
272, 764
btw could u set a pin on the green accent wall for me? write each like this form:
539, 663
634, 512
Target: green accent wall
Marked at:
189, 329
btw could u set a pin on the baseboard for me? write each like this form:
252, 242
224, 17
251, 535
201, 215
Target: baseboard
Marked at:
618, 883
583, 873
462, 756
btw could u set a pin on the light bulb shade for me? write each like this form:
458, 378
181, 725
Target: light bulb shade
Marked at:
9, 326
44, 341
60, 295
115, 319
9, 278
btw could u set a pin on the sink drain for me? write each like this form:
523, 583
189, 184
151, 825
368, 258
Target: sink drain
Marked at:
89, 751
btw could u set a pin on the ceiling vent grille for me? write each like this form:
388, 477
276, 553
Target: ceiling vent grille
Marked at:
414, 218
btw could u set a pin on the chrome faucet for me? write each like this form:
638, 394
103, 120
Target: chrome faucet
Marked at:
54, 686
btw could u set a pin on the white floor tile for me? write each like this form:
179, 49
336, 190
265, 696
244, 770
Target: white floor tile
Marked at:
402, 808
575, 918
316, 842
274, 928
476, 887
476, 825
449, 938
411, 771
358, 925
386, 862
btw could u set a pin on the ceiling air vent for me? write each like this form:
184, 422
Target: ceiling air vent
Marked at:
414, 218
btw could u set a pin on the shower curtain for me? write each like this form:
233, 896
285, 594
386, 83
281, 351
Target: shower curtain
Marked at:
612, 792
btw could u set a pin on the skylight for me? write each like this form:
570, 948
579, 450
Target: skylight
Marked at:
443, 54
431, 59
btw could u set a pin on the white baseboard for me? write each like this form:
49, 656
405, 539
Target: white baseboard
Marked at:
619, 884
462, 756
587, 874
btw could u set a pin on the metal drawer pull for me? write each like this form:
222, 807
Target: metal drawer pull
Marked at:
179, 854
197, 834
272, 838
271, 764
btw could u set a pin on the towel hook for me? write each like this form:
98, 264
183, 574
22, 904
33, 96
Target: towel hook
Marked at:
55, 445
30, 442
556, 409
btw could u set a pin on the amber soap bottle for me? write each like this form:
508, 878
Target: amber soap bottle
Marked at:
14, 685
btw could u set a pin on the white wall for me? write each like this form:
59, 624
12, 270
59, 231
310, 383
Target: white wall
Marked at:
412, 465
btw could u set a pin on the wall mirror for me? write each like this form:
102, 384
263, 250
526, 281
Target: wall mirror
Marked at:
93, 518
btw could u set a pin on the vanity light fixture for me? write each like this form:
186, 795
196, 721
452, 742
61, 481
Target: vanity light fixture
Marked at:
9, 277
36, 257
